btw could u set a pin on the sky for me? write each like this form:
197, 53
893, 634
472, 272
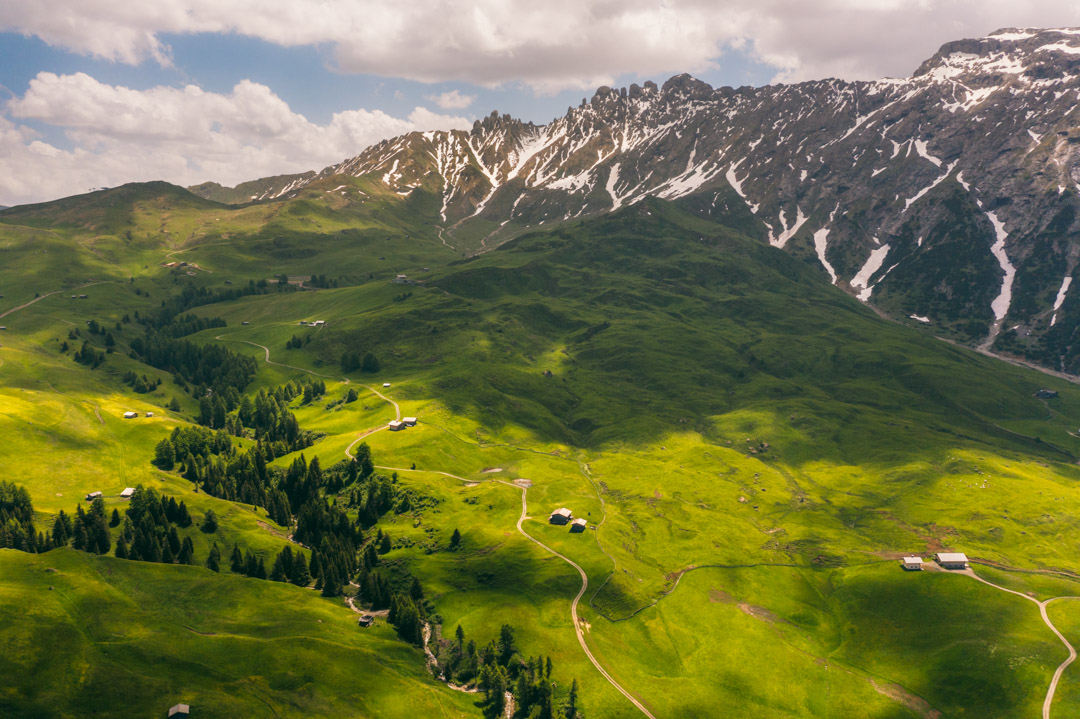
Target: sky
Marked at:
96, 93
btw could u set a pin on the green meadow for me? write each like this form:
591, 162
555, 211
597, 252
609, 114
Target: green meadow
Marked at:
753, 450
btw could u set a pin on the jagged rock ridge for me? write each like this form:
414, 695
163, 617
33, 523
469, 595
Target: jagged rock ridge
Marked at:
949, 197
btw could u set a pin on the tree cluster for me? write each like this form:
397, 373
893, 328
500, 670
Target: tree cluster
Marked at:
321, 281
498, 668
141, 383
191, 297
149, 531
17, 520
89, 355
351, 361
207, 367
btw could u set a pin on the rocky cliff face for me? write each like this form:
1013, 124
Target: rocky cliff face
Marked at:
947, 198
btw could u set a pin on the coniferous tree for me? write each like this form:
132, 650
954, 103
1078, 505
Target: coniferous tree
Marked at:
455, 539
277, 574
370, 363
164, 456
114, 521
237, 561
121, 548
174, 541
167, 556
210, 523
260, 569
301, 576
213, 560
186, 552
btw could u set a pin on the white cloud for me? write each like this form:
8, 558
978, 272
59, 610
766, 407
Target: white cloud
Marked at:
452, 100
182, 135
552, 45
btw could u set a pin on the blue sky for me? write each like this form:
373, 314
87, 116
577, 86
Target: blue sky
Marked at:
99, 92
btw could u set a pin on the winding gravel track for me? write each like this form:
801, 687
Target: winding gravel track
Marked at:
572, 563
520, 529
1046, 620
47, 294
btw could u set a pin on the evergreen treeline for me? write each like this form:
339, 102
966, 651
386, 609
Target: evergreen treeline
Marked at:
321, 281
351, 362
149, 530
208, 367
141, 383
90, 356
191, 297
498, 667
17, 520
190, 324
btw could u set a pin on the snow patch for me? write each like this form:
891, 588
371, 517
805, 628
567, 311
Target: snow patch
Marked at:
821, 244
1060, 47
788, 232
873, 264
919, 318
926, 189
1061, 297
1000, 305
920, 147
737, 186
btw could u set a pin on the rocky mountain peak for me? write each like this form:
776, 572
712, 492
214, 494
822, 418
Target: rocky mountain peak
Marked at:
949, 198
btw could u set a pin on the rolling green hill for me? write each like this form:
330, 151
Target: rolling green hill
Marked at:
752, 450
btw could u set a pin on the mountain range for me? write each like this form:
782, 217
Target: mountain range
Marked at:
948, 198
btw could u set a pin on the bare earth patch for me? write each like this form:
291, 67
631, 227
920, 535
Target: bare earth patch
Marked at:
911, 701
719, 596
759, 613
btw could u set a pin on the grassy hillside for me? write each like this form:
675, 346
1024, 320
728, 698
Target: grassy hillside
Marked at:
83, 634
751, 447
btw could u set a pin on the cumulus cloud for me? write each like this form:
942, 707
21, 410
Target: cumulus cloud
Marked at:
549, 46
452, 100
183, 135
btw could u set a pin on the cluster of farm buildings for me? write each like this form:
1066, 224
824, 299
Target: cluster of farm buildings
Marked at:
564, 516
126, 494
945, 560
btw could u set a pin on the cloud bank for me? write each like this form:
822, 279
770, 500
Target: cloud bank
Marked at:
548, 46
183, 135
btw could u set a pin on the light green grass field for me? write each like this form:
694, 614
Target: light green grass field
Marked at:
752, 449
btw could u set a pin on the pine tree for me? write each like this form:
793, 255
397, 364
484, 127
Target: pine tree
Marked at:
384, 544
213, 561
121, 548
507, 648
167, 556
301, 577
370, 363
455, 539
115, 519
174, 541
260, 569
183, 518
459, 634
210, 523
277, 574
101, 540
237, 561
571, 704
187, 551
